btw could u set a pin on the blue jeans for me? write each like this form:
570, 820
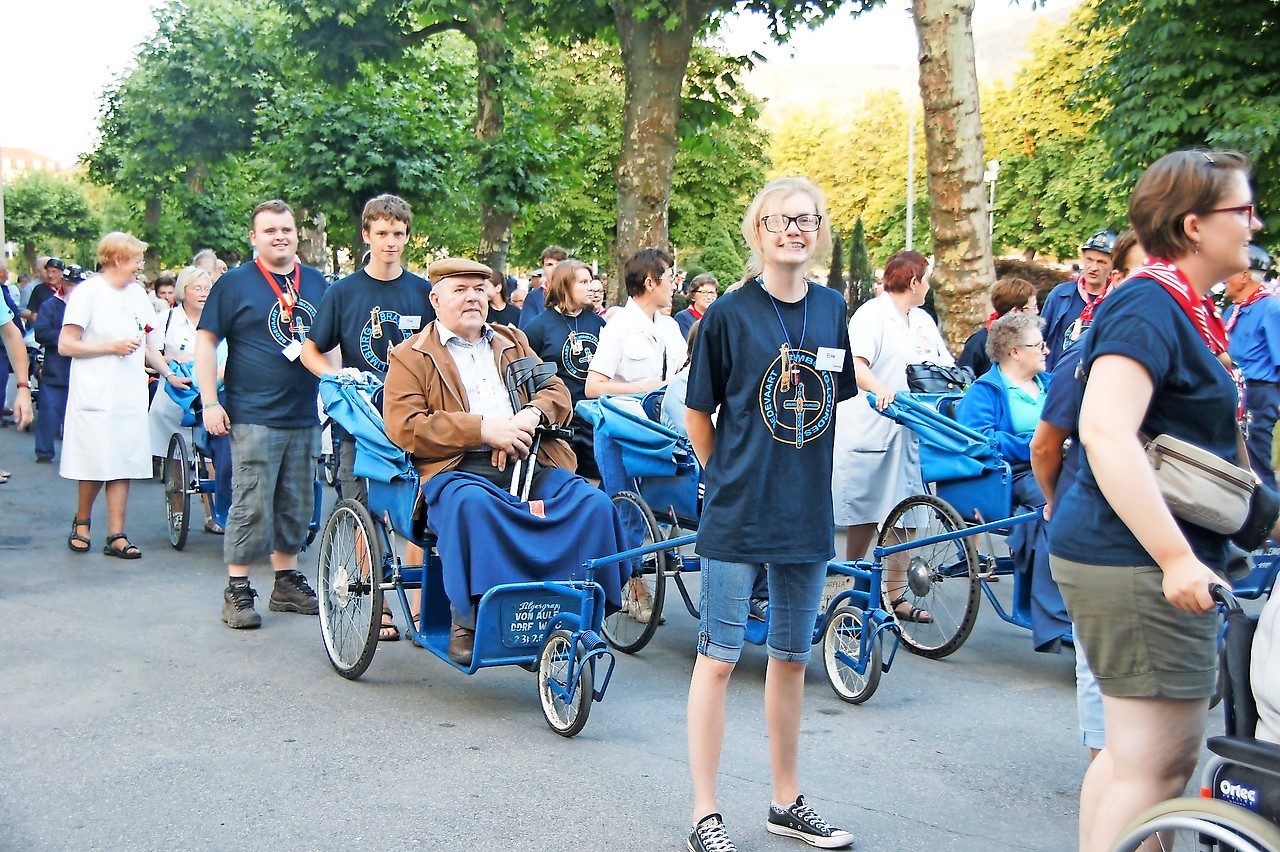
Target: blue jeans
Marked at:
1262, 402
795, 589
49, 420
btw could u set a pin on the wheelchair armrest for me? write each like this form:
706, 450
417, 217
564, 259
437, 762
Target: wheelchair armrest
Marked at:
1247, 750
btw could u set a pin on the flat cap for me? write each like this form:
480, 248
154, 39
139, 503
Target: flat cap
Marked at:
452, 266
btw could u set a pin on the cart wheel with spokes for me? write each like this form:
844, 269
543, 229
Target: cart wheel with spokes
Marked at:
842, 652
349, 587
630, 628
940, 578
176, 474
567, 717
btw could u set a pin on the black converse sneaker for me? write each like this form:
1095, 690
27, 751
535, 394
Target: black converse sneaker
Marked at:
709, 836
293, 594
803, 823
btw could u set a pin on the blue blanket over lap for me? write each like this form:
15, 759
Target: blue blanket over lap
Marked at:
488, 537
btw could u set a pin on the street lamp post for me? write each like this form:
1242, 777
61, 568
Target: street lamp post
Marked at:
989, 177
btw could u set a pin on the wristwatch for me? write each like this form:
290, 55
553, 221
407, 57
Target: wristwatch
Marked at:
542, 418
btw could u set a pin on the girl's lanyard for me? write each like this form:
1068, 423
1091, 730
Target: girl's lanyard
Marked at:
786, 352
575, 343
1202, 313
1235, 315
288, 297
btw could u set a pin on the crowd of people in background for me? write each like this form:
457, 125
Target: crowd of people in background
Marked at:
1064, 382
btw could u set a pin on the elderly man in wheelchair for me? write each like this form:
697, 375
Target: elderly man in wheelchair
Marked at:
497, 474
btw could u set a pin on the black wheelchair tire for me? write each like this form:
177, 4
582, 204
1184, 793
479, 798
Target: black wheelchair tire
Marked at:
620, 629
176, 475
843, 632
1233, 828
350, 601
565, 718
947, 568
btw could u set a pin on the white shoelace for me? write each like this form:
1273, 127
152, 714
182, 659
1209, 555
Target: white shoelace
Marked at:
714, 838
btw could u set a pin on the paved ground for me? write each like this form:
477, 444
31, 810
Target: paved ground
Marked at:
131, 718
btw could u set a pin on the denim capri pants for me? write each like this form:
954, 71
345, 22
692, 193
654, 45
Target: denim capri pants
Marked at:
795, 589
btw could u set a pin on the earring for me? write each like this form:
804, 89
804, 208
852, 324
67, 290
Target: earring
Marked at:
1197, 248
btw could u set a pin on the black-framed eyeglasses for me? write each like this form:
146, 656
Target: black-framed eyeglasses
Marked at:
1041, 345
776, 223
1247, 209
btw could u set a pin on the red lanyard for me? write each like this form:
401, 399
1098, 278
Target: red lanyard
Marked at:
289, 295
1257, 296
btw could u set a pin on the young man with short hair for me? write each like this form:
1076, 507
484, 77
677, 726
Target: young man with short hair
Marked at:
536, 302
264, 310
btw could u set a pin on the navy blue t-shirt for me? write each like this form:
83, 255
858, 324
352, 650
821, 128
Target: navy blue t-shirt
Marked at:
1062, 410
552, 336
768, 481
1194, 398
368, 317
262, 385
508, 316
534, 304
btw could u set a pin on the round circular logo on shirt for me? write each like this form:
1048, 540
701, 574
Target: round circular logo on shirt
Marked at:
576, 353
380, 332
303, 316
797, 405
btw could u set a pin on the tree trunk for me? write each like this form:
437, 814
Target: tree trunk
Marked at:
655, 60
963, 267
311, 239
29, 253
492, 54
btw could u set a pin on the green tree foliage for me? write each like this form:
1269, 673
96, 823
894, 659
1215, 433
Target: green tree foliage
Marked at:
1053, 188
186, 106
862, 277
720, 163
835, 278
720, 255
406, 132
47, 213
1182, 73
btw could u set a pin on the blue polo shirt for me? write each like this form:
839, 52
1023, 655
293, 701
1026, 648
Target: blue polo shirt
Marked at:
1255, 340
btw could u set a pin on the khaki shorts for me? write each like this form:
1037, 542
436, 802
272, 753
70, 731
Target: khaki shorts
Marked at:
1138, 644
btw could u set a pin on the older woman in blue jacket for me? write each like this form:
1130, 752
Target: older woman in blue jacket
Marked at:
1005, 404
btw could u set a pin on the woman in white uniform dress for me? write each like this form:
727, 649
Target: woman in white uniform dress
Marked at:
105, 437
877, 462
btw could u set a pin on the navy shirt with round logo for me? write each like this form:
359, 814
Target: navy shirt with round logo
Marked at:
368, 317
768, 481
262, 385
567, 342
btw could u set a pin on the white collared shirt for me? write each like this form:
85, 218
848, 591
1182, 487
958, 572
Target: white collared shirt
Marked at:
634, 348
486, 392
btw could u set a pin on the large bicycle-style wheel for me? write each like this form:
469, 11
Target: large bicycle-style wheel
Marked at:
566, 717
842, 649
1199, 824
940, 578
644, 585
349, 588
176, 474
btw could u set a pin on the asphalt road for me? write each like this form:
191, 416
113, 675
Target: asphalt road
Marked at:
132, 718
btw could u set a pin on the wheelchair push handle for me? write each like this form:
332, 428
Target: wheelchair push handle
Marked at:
1223, 595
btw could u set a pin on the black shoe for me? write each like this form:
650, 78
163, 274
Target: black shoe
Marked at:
803, 823
462, 645
292, 594
709, 836
759, 609
237, 606
44, 459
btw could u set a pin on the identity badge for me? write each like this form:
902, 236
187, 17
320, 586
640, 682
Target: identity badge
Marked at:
830, 359
293, 350
410, 324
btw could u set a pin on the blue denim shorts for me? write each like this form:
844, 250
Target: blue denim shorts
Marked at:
795, 589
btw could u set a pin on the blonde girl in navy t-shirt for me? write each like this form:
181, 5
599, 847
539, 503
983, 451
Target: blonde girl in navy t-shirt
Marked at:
773, 358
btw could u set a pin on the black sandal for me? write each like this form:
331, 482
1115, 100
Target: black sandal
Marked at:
388, 624
914, 614
129, 551
76, 538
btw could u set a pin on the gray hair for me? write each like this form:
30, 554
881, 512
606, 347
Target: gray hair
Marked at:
189, 276
1008, 331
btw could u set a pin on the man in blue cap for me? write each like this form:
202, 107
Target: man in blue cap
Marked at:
1253, 333
1067, 311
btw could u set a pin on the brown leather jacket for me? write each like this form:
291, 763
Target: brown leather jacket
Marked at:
425, 407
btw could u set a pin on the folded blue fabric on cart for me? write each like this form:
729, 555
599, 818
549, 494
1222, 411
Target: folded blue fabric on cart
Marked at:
487, 537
